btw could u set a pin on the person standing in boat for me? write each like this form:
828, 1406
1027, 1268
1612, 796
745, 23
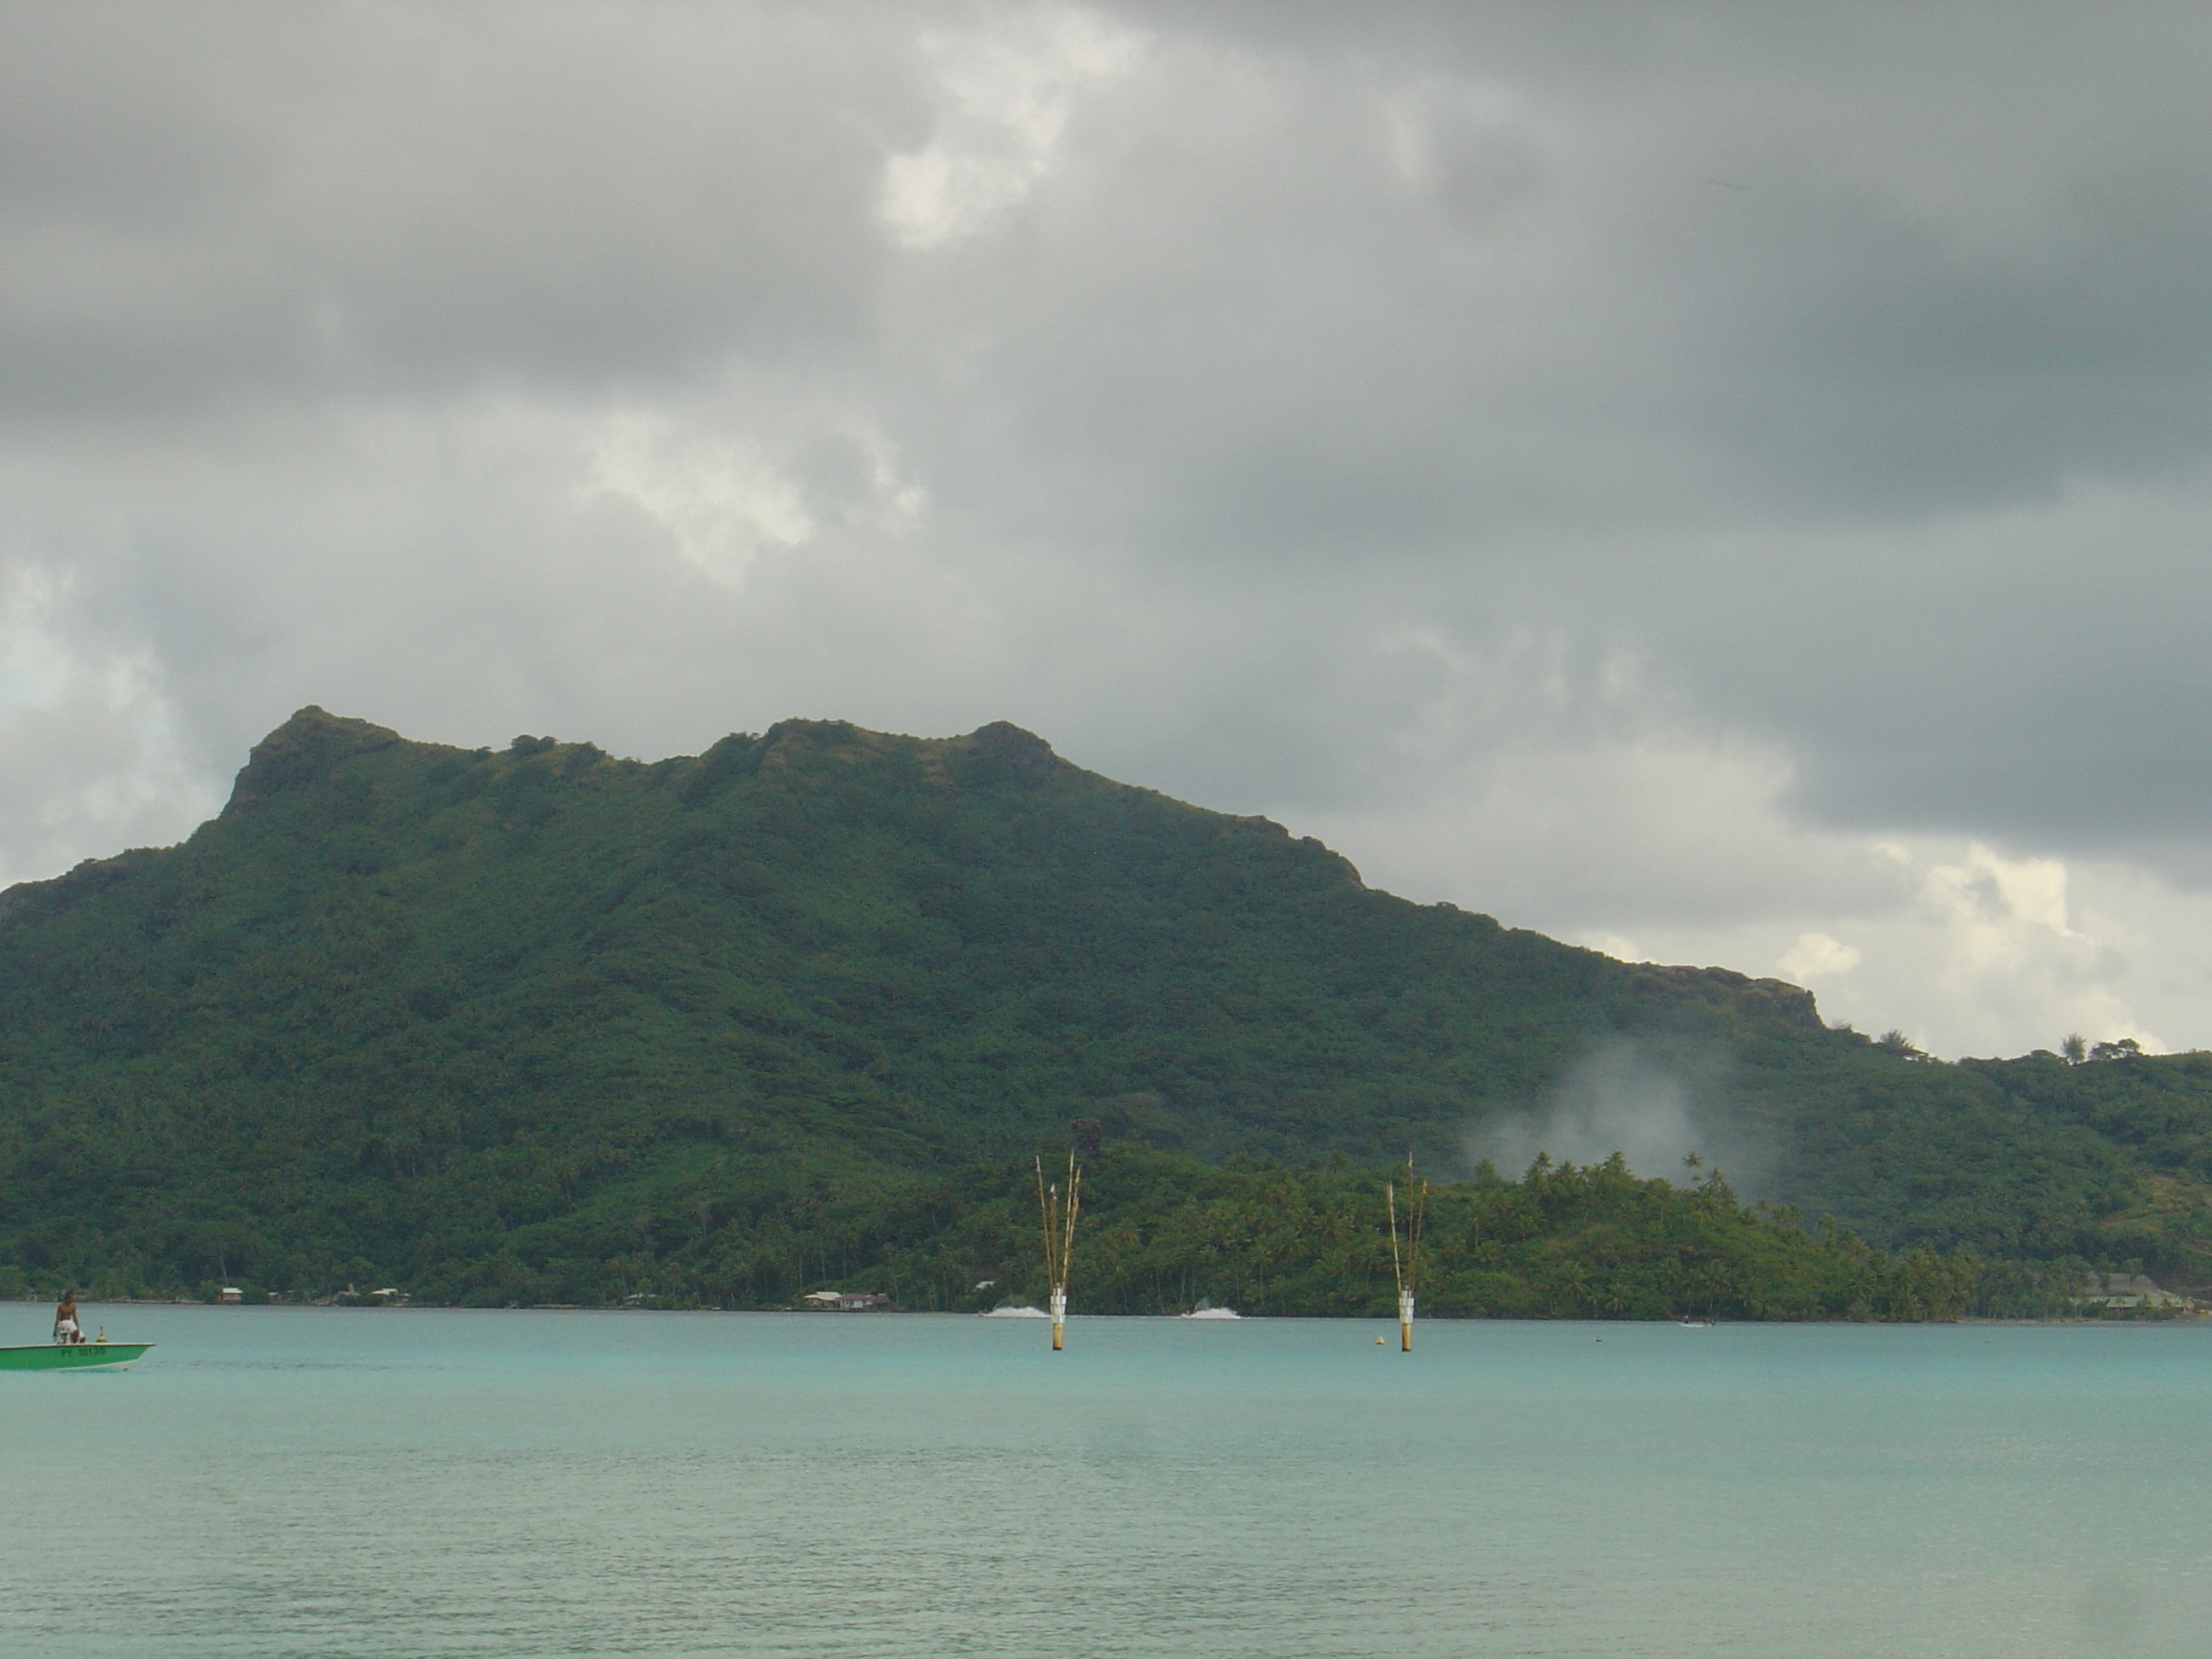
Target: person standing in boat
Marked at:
66, 1329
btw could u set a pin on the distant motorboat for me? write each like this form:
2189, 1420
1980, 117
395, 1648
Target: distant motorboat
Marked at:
1207, 1310
1015, 1310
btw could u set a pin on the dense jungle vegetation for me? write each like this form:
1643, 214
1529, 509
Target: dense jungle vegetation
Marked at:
542, 1024
1162, 1235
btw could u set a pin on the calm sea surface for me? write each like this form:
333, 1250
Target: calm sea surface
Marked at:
399, 1483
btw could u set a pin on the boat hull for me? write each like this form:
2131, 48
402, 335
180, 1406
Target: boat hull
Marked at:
72, 1356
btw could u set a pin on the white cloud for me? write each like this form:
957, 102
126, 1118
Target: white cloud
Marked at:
1816, 957
88, 739
1570, 799
1561, 789
1007, 91
1970, 954
1996, 904
724, 500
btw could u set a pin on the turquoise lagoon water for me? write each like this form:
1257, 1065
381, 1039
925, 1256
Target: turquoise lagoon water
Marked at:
282, 1481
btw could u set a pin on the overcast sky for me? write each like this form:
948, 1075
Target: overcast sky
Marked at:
1721, 483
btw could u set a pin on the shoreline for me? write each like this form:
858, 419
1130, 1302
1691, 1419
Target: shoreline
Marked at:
2187, 1319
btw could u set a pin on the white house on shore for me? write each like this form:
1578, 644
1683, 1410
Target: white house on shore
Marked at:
844, 1302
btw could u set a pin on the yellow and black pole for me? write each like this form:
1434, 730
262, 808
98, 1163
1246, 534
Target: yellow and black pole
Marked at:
1058, 1218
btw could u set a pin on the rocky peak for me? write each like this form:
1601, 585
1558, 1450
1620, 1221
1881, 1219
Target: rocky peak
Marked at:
1022, 752
303, 751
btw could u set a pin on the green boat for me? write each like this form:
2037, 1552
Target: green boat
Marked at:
72, 1356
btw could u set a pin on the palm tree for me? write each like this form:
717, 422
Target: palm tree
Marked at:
1574, 1279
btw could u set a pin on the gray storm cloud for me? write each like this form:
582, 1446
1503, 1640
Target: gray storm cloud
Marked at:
1682, 476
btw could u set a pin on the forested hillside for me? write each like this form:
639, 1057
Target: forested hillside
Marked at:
539, 1024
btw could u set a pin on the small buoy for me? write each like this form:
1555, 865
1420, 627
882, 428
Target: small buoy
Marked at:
1378, 1341
1597, 1338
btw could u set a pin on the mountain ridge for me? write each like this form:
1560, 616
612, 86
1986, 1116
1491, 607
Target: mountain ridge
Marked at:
412, 1003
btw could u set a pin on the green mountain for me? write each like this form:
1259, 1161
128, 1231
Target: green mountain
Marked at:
544, 1025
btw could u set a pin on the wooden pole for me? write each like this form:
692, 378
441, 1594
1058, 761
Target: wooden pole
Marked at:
1058, 1221
1406, 1265
1044, 1217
